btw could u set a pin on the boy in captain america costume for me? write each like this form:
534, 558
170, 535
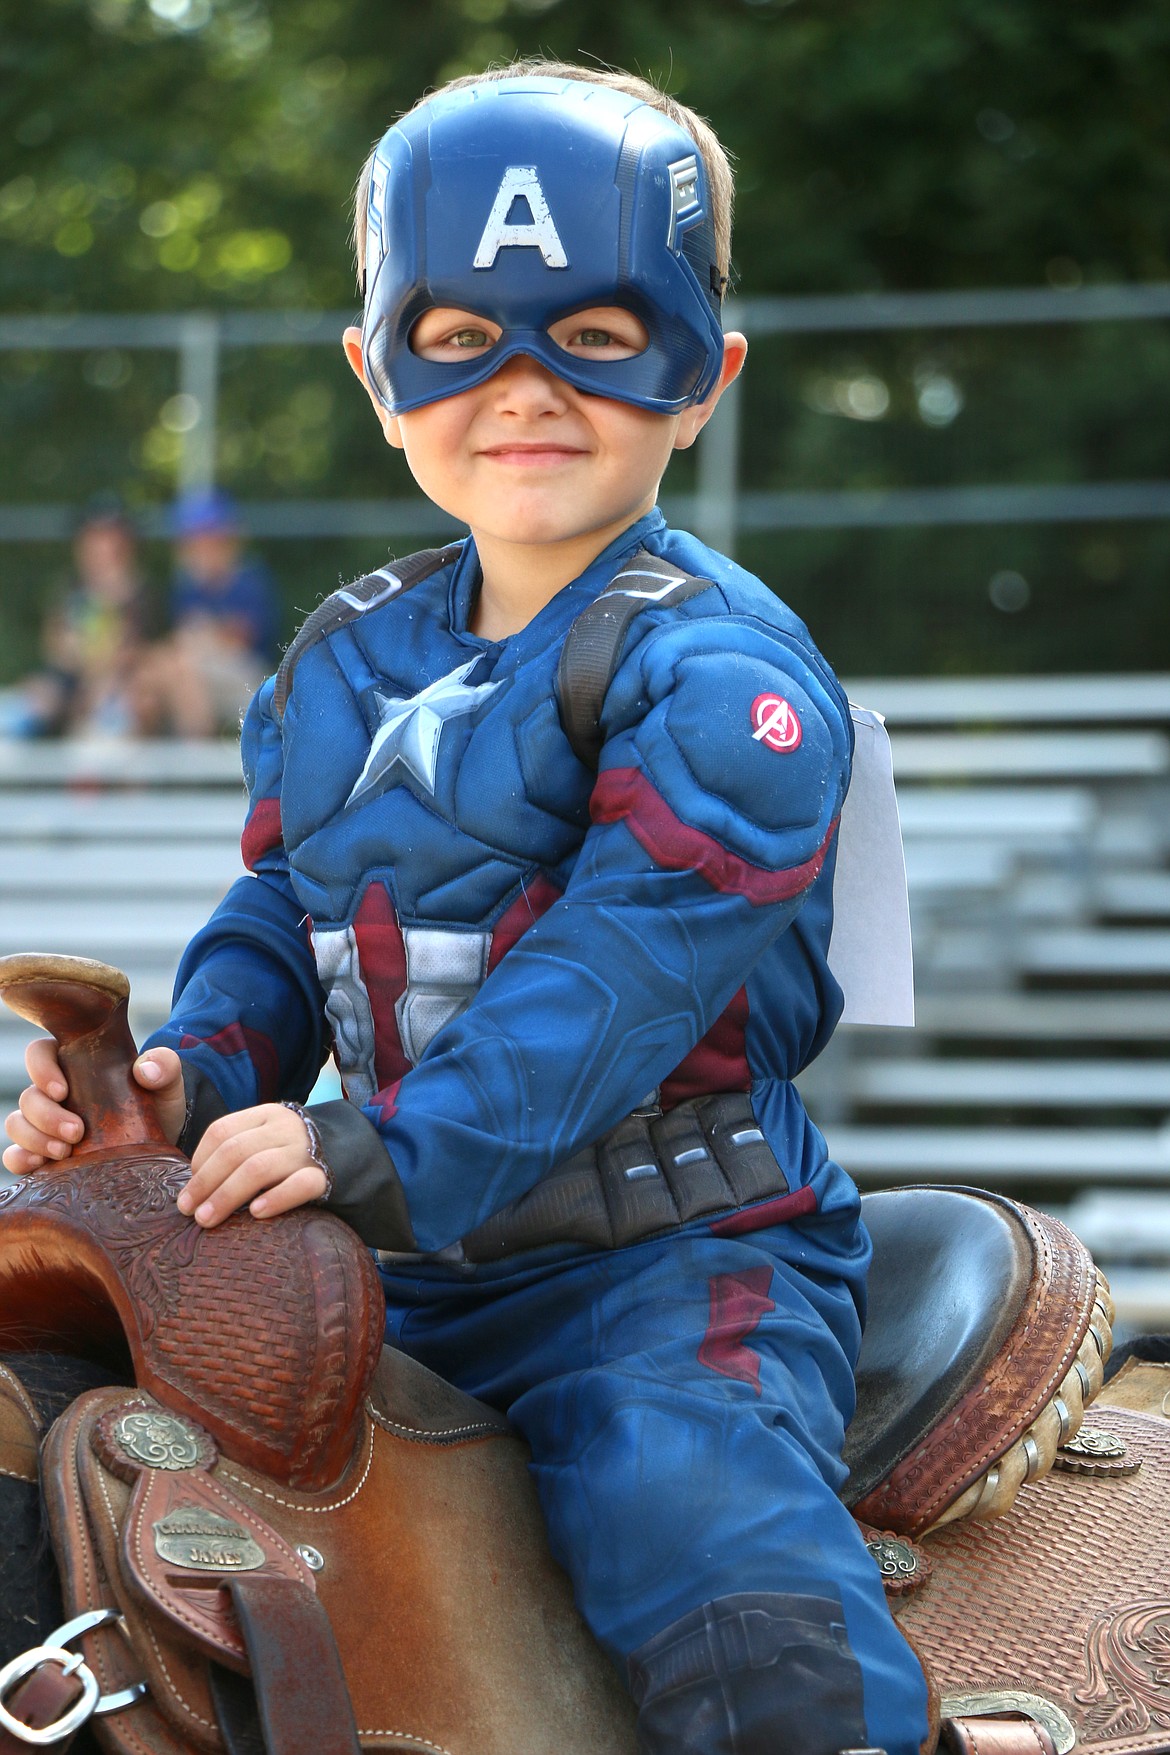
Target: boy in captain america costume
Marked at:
541, 838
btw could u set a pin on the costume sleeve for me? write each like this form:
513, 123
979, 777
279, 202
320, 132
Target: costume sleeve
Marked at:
725, 763
247, 1015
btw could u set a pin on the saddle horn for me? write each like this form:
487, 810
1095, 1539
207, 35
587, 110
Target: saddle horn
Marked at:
265, 1331
83, 1004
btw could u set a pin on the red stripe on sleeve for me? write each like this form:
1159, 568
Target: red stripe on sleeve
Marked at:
262, 832
535, 899
626, 794
242, 1039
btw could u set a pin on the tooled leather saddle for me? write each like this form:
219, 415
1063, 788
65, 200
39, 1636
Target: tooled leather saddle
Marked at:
287, 1537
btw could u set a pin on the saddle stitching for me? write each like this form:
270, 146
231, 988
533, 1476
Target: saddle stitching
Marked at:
21, 1395
98, 1660
987, 1455
176, 1692
297, 1504
93, 1596
237, 1510
15, 1475
920, 1458
419, 1435
409, 1737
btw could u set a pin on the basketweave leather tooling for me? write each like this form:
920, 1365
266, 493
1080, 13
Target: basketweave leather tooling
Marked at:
1061, 1608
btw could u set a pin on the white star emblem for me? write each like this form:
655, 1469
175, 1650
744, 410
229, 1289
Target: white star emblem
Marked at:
409, 731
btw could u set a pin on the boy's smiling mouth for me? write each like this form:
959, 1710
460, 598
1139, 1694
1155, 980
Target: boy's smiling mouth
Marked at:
526, 455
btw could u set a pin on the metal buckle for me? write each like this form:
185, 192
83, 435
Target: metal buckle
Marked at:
72, 1663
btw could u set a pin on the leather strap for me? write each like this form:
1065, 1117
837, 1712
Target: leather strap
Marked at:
995, 1736
234, 1700
41, 1699
301, 1692
354, 600
593, 645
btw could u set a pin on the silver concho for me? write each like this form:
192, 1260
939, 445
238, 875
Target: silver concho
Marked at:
203, 1541
1091, 1441
1094, 1452
894, 1559
158, 1440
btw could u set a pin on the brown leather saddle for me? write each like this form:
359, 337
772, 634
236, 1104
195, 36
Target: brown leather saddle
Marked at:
283, 1518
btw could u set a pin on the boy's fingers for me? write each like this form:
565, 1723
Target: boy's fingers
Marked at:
20, 1162
44, 1069
260, 1171
158, 1068
48, 1117
23, 1133
297, 1190
224, 1147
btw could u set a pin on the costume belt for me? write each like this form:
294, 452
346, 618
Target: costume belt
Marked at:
651, 1173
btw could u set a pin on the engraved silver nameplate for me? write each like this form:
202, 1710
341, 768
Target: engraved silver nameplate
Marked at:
203, 1541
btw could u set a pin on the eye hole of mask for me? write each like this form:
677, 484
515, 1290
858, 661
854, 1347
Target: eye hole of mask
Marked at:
605, 333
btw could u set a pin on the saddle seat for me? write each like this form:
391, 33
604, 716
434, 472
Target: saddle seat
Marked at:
987, 1334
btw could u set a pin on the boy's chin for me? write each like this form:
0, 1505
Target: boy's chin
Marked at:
555, 533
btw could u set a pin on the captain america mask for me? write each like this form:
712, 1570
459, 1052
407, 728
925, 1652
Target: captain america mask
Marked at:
524, 201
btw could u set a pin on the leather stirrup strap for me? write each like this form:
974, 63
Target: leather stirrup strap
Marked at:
301, 1696
234, 1701
995, 1736
40, 1700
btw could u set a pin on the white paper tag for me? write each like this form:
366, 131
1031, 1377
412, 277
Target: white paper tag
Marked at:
870, 951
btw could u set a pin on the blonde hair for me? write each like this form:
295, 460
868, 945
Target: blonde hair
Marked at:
716, 161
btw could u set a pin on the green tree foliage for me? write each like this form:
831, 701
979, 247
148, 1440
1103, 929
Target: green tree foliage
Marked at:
176, 154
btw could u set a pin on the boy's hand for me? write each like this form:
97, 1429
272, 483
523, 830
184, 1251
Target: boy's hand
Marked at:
43, 1129
259, 1158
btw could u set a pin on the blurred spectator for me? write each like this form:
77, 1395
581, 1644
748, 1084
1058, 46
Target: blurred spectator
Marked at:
92, 638
197, 682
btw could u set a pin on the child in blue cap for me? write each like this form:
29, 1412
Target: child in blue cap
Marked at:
542, 833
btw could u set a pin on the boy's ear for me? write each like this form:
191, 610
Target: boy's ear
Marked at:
351, 341
692, 420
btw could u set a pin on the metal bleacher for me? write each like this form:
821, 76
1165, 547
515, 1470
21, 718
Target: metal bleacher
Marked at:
117, 851
1036, 817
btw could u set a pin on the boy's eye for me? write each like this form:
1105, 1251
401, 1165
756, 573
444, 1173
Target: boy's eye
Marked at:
609, 333
442, 334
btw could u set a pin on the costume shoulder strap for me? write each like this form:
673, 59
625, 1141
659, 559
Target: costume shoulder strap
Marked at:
353, 601
593, 644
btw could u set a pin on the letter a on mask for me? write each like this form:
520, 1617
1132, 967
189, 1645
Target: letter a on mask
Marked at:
540, 234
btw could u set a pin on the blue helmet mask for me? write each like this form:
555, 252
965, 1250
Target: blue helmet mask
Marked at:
524, 201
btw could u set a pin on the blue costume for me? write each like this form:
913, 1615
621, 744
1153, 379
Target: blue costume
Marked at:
568, 1006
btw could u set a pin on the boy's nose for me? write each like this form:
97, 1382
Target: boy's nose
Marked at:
525, 381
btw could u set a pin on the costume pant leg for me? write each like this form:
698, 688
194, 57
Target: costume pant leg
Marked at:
685, 1403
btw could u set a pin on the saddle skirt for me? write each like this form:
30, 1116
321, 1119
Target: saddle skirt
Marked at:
456, 1629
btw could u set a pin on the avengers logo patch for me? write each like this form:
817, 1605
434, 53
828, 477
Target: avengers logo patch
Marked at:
776, 724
